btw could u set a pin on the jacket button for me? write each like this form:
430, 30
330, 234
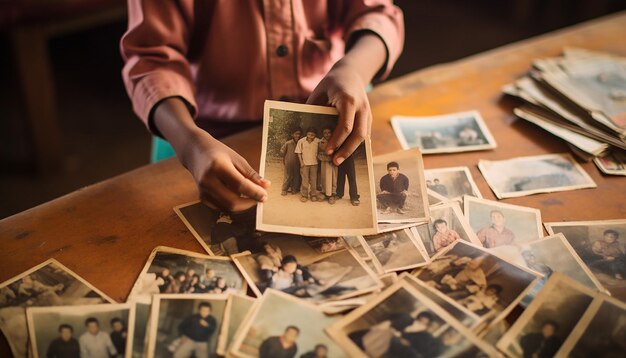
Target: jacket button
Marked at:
282, 51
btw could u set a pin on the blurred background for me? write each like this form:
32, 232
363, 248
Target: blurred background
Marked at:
63, 56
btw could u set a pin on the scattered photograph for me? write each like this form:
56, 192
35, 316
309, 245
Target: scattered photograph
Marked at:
81, 331
451, 183
294, 142
281, 325
502, 226
449, 133
533, 175
185, 326
435, 198
549, 319
288, 263
613, 163
47, 284
176, 271
237, 308
357, 245
400, 191
397, 250
600, 245
601, 332
220, 233
401, 322
477, 280
465, 317
447, 225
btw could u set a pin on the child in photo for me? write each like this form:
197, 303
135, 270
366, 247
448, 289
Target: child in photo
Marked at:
291, 181
394, 187
306, 149
328, 169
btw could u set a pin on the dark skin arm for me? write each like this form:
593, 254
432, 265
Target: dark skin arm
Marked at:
224, 178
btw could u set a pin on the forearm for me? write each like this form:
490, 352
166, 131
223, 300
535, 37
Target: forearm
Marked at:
173, 120
366, 56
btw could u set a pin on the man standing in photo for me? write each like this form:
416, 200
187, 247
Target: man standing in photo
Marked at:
496, 234
119, 336
328, 168
196, 331
283, 346
94, 343
307, 154
291, 181
394, 188
65, 346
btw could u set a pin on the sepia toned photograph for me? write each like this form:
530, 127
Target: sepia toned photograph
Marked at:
451, 183
47, 284
174, 271
497, 224
447, 225
601, 332
316, 197
401, 322
281, 325
600, 244
185, 326
220, 233
535, 174
477, 280
400, 191
549, 319
357, 245
397, 250
237, 308
81, 331
465, 317
288, 263
449, 133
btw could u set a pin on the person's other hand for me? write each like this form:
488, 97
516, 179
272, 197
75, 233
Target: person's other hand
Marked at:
224, 178
344, 89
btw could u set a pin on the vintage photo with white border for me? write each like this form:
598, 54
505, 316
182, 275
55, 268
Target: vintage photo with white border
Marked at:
452, 183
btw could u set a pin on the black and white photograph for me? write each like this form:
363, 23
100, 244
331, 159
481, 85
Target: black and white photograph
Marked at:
47, 284
288, 263
451, 183
550, 318
281, 325
94, 331
466, 318
400, 191
449, 133
327, 200
447, 225
499, 226
220, 233
176, 271
601, 332
185, 326
397, 250
477, 280
535, 174
237, 308
601, 245
401, 322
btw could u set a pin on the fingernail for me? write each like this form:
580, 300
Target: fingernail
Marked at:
329, 151
340, 160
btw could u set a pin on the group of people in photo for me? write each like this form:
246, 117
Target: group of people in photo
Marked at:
190, 282
406, 336
93, 343
310, 172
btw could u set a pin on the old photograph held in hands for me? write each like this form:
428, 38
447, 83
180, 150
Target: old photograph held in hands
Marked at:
449, 133
339, 201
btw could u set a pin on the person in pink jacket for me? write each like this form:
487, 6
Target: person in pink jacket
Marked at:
197, 71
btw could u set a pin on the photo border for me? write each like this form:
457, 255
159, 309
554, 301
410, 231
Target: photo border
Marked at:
222, 339
196, 235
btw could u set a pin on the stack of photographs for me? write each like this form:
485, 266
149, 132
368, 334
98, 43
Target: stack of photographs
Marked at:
580, 98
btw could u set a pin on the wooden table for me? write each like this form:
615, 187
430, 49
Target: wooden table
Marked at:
106, 231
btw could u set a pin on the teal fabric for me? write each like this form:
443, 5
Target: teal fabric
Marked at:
161, 149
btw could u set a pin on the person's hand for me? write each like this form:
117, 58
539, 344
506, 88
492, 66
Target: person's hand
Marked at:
224, 178
343, 88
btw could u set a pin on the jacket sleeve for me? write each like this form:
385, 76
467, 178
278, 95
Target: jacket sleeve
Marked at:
380, 17
154, 50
